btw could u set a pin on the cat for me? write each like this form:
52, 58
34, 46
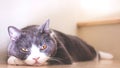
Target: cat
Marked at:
40, 45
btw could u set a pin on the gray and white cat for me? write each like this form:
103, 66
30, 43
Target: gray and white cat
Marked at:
40, 45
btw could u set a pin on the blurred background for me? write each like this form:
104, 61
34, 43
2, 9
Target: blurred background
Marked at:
63, 14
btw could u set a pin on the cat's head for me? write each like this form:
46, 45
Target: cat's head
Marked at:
34, 45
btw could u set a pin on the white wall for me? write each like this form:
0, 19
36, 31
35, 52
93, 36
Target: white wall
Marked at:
63, 14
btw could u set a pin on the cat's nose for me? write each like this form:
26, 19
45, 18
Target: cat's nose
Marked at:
36, 58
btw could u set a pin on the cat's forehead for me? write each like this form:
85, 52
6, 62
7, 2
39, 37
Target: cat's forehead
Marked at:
32, 38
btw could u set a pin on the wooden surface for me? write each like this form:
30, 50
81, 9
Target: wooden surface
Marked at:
96, 23
90, 64
102, 35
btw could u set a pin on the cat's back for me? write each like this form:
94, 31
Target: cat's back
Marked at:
77, 48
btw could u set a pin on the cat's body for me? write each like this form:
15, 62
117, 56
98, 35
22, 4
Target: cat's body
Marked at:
35, 45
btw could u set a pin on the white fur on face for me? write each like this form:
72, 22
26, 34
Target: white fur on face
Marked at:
35, 53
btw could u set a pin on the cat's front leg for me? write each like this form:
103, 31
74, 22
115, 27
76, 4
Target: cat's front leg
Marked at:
15, 61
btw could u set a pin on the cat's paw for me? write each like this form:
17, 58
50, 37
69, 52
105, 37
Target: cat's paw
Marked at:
15, 61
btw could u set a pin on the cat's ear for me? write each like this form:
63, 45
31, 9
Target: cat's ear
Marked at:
45, 27
14, 33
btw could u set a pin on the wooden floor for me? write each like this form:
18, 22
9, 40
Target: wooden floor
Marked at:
90, 64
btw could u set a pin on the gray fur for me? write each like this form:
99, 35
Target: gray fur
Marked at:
62, 48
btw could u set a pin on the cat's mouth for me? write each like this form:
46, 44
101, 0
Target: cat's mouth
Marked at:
36, 63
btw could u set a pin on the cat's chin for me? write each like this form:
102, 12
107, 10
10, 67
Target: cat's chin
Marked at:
37, 64
33, 63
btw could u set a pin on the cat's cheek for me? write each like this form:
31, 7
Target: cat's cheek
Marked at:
43, 61
29, 61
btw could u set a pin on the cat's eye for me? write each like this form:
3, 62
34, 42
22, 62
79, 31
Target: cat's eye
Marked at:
24, 50
43, 47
